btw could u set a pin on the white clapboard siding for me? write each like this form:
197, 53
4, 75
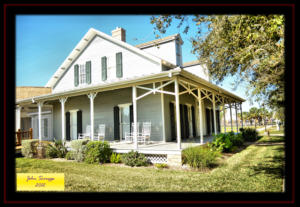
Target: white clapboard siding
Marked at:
133, 64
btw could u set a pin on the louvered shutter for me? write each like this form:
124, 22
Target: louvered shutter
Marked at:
68, 136
79, 122
193, 121
172, 118
116, 123
131, 117
218, 120
88, 72
182, 123
104, 68
186, 122
207, 112
213, 121
119, 67
76, 75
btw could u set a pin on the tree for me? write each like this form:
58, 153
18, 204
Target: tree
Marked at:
254, 114
248, 46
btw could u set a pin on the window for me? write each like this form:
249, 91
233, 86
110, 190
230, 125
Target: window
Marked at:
45, 127
82, 74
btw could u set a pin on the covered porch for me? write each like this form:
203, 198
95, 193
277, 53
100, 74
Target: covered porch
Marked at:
173, 83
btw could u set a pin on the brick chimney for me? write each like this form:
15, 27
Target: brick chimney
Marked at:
119, 33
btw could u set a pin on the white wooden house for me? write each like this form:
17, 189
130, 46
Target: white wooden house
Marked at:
105, 80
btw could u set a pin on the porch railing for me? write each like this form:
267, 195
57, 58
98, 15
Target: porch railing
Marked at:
22, 135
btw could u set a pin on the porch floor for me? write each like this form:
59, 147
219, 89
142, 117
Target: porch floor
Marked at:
158, 146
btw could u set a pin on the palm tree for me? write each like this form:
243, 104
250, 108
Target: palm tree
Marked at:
254, 114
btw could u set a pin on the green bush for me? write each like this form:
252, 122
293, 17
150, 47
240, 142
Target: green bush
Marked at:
115, 158
200, 157
161, 165
133, 158
249, 134
57, 149
224, 142
79, 149
97, 152
70, 155
29, 147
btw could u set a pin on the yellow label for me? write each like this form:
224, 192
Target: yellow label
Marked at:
40, 181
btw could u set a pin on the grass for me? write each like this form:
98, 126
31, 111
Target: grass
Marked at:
258, 168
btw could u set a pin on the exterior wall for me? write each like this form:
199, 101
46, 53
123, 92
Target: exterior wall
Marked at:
199, 71
148, 109
133, 64
166, 51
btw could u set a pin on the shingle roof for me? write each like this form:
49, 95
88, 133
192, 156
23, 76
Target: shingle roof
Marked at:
157, 41
191, 63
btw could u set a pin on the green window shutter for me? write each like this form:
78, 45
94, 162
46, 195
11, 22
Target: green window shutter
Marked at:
76, 75
104, 68
88, 72
119, 65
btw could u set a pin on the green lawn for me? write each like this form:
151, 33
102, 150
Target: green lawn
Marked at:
258, 168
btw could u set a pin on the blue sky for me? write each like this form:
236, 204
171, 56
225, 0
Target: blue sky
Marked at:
44, 41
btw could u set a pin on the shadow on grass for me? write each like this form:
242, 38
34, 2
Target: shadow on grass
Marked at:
273, 166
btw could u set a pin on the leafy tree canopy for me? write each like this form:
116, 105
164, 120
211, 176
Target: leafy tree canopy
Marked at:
249, 46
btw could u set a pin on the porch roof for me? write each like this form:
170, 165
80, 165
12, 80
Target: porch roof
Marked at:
140, 80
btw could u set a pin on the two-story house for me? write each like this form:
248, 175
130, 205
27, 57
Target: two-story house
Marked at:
105, 80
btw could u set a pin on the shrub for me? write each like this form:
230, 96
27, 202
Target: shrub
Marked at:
224, 142
79, 148
249, 135
97, 152
200, 156
57, 149
161, 165
29, 147
115, 158
70, 155
133, 158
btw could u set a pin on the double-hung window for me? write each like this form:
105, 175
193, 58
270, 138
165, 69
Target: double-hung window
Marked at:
82, 74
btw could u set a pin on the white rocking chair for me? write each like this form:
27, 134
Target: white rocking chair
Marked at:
87, 133
146, 132
100, 136
129, 136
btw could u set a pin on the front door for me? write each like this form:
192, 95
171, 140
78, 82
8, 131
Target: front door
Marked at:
124, 120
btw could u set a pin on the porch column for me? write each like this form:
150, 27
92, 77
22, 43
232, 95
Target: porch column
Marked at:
63, 127
242, 115
18, 118
200, 116
230, 117
236, 118
134, 117
177, 113
40, 105
163, 113
214, 110
92, 97
224, 116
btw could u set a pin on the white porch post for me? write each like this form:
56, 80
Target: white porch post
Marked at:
18, 118
214, 110
224, 116
177, 113
236, 118
40, 105
134, 117
200, 116
242, 115
63, 134
163, 113
230, 117
92, 97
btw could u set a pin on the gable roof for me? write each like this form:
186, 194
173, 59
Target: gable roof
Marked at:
84, 42
161, 40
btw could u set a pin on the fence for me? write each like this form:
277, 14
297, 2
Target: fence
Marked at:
23, 135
